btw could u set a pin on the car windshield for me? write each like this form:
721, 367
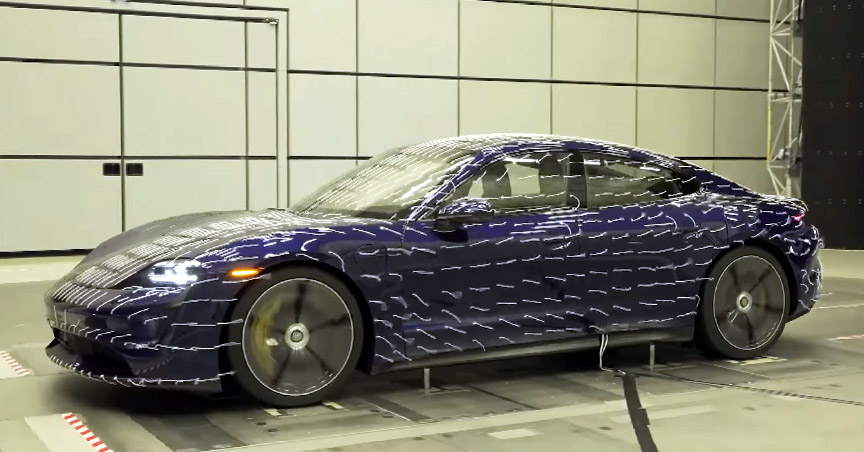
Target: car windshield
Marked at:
388, 185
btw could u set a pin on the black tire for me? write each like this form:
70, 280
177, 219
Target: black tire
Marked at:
281, 361
745, 304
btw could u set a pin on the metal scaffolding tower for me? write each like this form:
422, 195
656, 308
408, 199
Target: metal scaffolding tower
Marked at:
783, 153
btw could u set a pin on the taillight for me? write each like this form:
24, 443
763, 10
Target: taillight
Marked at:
798, 217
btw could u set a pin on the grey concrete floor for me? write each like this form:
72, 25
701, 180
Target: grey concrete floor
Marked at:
807, 395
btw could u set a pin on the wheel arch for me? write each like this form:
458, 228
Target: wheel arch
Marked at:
766, 246
701, 335
367, 350
777, 253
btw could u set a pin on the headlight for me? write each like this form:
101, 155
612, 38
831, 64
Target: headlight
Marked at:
176, 272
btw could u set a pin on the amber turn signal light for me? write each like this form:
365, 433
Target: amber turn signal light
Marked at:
244, 272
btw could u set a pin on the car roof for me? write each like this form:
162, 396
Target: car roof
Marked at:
506, 143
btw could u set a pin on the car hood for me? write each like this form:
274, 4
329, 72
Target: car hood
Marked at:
187, 236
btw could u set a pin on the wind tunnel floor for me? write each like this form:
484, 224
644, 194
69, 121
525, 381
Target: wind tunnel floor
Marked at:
807, 395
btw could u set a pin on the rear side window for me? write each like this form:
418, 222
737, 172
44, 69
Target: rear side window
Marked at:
612, 180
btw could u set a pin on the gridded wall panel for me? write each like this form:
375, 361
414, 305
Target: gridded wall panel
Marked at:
175, 187
261, 105
600, 112
61, 35
261, 45
306, 176
323, 115
397, 112
741, 124
172, 40
494, 107
263, 188
112, 118
409, 37
506, 40
742, 54
749, 173
322, 33
59, 109
753, 9
594, 45
679, 6
184, 111
675, 50
676, 121
41, 197
603, 3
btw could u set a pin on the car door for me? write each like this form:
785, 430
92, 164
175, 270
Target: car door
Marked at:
496, 282
649, 234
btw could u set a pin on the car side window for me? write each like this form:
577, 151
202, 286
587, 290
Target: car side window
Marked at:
614, 180
531, 181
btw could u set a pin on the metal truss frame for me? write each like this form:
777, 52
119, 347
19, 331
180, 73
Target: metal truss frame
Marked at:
783, 148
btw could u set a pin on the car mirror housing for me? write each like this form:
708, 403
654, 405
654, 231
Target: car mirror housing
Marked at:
461, 211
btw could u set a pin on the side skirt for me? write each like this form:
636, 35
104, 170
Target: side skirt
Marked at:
621, 339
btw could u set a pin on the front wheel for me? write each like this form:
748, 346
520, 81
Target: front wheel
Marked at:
300, 334
745, 304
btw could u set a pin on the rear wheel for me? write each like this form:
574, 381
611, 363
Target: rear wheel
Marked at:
745, 304
300, 334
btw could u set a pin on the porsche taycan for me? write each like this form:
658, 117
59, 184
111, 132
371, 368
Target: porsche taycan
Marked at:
455, 250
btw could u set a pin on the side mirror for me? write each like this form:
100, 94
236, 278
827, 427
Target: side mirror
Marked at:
465, 210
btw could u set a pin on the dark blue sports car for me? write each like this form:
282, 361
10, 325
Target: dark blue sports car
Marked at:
454, 250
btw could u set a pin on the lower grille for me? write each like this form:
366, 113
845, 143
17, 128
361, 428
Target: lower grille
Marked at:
98, 356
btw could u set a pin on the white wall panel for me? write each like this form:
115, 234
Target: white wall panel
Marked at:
261, 98
409, 37
752, 174
59, 109
66, 35
57, 205
604, 3
741, 124
323, 115
306, 176
403, 111
679, 6
262, 184
504, 107
184, 112
742, 54
754, 9
593, 111
321, 33
505, 40
260, 45
170, 40
676, 121
594, 45
676, 50
176, 187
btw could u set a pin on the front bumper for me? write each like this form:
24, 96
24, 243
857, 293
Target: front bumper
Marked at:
140, 336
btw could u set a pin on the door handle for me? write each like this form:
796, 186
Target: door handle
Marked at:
134, 169
110, 169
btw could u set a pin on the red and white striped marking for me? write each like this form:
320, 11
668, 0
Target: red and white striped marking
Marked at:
847, 338
85, 433
6, 357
